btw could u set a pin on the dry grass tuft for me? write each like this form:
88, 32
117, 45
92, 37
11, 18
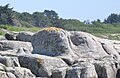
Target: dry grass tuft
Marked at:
52, 29
40, 61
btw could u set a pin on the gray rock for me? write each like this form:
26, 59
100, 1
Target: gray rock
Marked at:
20, 72
58, 53
3, 74
109, 47
106, 69
82, 70
9, 61
15, 72
40, 65
70, 61
116, 46
10, 35
52, 42
10, 75
8, 53
86, 45
22, 51
11, 45
2, 67
41, 77
59, 72
24, 36
74, 47
75, 44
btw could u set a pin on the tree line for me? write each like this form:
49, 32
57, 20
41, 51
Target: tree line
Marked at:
47, 18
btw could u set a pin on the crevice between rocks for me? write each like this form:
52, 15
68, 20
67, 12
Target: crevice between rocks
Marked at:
101, 71
118, 74
103, 44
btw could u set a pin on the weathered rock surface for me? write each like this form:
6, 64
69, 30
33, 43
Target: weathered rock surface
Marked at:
52, 42
14, 45
41, 65
59, 72
15, 72
9, 61
20, 72
58, 53
24, 36
74, 45
82, 70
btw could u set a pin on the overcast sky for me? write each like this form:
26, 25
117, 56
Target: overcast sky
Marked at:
70, 9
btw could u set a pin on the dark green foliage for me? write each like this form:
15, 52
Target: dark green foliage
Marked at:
113, 18
40, 19
51, 14
5, 14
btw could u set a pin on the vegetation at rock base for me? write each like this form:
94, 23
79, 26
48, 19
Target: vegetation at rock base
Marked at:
16, 21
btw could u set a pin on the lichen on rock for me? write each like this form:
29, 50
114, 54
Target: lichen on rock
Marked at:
51, 29
40, 60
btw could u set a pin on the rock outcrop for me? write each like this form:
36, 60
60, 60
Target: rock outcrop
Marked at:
41, 65
24, 36
57, 53
15, 45
52, 42
15, 72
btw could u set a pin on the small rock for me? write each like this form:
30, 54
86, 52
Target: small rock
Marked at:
24, 36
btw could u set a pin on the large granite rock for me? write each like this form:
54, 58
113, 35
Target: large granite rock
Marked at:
58, 53
86, 45
72, 46
58, 42
52, 42
40, 65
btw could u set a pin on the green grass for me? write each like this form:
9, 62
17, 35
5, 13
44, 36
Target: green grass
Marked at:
1, 32
18, 29
100, 30
109, 31
109, 36
95, 29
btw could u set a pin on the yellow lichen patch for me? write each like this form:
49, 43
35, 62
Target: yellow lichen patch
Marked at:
40, 61
52, 29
